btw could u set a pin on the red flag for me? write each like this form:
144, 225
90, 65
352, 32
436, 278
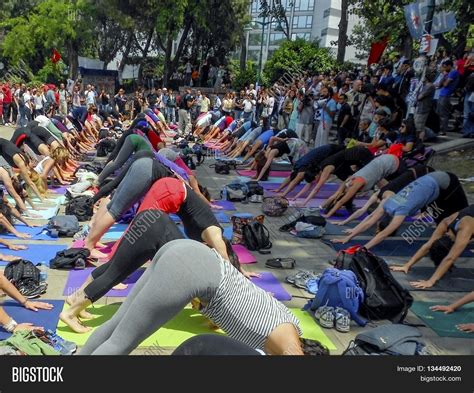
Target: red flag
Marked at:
56, 56
376, 51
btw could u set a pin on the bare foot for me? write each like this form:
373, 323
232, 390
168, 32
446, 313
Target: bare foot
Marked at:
74, 323
97, 254
83, 314
120, 287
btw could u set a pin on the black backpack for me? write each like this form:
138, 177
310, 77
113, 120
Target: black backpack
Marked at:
63, 226
25, 277
256, 237
105, 146
82, 207
222, 168
71, 258
385, 298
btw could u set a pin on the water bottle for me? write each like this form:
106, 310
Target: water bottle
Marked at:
43, 268
224, 194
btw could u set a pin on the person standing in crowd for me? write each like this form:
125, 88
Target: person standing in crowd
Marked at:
63, 99
448, 85
104, 101
227, 105
424, 104
205, 104
184, 116
304, 125
90, 96
188, 70
217, 107
120, 101
328, 110
239, 105
345, 121
468, 113
39, 101
76, 97
171, 107
286, 109
198, 104
249, 108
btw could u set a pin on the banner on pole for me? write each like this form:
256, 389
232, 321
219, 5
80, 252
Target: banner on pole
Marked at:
415, 16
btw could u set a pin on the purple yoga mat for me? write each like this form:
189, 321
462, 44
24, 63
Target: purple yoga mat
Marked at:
77, 277
319, 201
272, 173
328, 190
268, 282
244, 255
226, 205
59, 190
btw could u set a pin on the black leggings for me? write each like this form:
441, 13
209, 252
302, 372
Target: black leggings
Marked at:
125, 153
119, 144
146, 234
213, 345
451, 200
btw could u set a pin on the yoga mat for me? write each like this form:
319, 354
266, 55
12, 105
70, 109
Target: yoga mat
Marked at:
37, 233
220, 216
458, 280
444, 324
270, 180
311, 329
317, 202
226, 205
244, 255
188, 323
42, 318
247, 173
35, 253
337, 230
228, 232
269, 186
45, 214
115, 232
268, 282
76, 278
59, 190
394, 248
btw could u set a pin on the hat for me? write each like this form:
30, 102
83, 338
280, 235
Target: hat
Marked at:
168, 154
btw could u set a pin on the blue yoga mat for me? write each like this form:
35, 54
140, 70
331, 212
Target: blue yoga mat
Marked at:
220, 216
390, 248
43, 318
35, 253
337, 230
115, 232
37, 233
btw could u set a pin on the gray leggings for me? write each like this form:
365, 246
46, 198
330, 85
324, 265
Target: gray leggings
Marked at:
167, 286
134, 185
124, 154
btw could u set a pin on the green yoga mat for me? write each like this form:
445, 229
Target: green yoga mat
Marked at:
444, 324
186, 324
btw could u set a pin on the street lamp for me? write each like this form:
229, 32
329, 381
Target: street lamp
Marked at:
264, 23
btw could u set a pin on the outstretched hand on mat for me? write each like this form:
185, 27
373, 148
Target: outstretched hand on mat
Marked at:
27, 326
250, 275
35, 306
466, 327
22, 235
17, 247
9, 258
216, 207
400, 268
423, 284
344, 240
445, 309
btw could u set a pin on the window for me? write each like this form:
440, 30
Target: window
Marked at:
255, 39
276, 38
304, 5
329, 31
304, 36
303, 22
255, 6
333, 12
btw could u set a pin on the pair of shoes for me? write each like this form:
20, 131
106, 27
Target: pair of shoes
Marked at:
280, 263
301, 278
82, 234
32, 291
256, 198
60, 344
330, 317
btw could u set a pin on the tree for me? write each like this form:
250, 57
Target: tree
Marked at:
342, 39
277, 11
293, 58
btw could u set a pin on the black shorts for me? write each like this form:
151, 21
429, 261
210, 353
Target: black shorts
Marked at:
282, 148
452, 199
196, 215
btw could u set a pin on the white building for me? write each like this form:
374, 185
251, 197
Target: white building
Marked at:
308, 19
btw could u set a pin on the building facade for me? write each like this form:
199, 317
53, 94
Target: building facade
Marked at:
307, 19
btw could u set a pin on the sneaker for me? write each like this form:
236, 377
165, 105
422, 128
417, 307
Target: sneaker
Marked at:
60, 344
82, 234
291, 279
254, 198
280, 263
302, 282
326, 316
343, 320
32, 291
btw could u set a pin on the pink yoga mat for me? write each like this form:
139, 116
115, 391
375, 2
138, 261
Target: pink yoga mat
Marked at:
77, 277
245, 257
272, 173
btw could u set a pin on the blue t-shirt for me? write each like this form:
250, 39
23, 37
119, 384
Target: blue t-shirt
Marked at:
315, 156
247, 125
265, 137
232, 125
331, 106
447, 91
413, 197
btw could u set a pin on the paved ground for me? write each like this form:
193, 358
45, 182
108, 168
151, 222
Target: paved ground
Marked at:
309, 254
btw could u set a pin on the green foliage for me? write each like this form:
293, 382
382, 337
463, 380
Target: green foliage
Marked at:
296, 57
50, 73
242, 78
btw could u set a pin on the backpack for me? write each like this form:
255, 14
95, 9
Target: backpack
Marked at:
254, 188
82, 207
222, 168
275, 206
238, 223
63, 226
391, 339
340, 288
105, 146
71, 258
256, 236
236, 192
25, 277
385, 298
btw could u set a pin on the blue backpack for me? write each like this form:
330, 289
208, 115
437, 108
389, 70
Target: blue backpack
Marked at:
339, 288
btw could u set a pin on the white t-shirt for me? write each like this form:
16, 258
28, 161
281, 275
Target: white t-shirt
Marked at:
90, 98
248, 105
39, 101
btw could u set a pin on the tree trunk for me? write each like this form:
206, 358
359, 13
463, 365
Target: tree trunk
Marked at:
73, 59
171, 65
167, 70
243, 52
126, 52
342, 39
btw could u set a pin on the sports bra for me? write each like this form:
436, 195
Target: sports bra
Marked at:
466, 212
